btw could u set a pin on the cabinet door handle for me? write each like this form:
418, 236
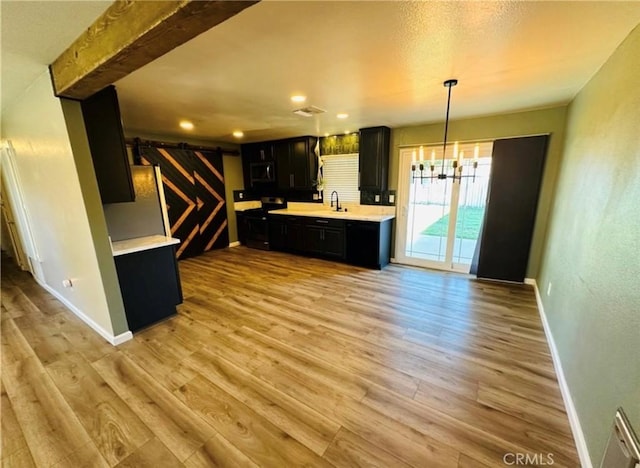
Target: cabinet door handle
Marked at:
290, 180
358, 180
268, 172
323, 221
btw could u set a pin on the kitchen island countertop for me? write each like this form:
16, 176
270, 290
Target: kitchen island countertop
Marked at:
138, 244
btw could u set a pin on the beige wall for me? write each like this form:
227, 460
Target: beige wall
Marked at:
232, 166
494, 127
592, 253
35, 125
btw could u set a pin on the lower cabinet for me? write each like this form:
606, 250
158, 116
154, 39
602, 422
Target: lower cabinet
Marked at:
150, 285
325, 237
368, 243
286, 233
362, 243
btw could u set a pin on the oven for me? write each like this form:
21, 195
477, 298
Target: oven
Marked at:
256, 223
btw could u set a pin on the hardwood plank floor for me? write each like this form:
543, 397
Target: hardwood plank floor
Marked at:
276, 360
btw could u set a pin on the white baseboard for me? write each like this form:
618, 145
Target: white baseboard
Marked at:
234, 244
114, 340
574, 421
121, 338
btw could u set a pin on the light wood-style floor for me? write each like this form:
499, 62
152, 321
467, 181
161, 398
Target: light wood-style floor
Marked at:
282, 361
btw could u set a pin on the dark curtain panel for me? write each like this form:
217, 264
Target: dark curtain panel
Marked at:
514, 187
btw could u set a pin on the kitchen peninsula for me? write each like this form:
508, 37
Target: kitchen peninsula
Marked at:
149, 278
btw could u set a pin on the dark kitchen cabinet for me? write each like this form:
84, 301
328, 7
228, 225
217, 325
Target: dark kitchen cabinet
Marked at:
277, 234
325, 237
103, 125
374, 158
255, 153
296, 165
362, 243
150, 285
368, 243
258, 152
286, 233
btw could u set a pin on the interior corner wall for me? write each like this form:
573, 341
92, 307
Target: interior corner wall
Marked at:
95, 213
592, 252
35, 125
231, 165
551, 120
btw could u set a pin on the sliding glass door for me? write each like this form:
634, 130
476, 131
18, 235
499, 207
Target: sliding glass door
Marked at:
439, 220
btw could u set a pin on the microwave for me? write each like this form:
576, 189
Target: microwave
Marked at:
262, 172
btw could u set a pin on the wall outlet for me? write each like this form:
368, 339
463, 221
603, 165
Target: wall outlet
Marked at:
67, 283
549, 289
316, 196
241, 195
392, 198
377, 198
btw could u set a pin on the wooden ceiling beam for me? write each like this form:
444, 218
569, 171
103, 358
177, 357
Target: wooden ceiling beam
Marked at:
130, 34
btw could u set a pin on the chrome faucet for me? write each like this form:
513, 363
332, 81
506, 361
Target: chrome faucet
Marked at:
338, 207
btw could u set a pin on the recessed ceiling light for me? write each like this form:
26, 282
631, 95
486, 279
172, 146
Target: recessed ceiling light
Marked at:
346, 132
326, 134
238, 134
186, 125
298, 98
342, 116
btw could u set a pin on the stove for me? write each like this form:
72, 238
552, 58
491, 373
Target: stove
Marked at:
256, 222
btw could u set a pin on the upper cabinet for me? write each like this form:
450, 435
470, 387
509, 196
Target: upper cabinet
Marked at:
103, 124
374, 158
257, 152
296, 165
255, 164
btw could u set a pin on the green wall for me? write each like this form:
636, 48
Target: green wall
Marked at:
232, 181
93, 206
592, 253
493, 127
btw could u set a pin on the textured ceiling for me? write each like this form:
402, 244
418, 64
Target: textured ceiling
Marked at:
34, 34
383, 63
380, 62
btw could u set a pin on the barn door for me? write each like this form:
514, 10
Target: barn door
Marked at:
210, 200
193, 184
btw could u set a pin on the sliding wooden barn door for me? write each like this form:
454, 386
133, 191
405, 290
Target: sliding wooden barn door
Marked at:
194, 190
210, 200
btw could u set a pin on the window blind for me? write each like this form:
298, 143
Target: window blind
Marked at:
340, 173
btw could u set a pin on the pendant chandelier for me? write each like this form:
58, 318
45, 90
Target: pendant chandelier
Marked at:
418, 167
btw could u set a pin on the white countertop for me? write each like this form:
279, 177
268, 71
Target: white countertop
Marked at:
141, 243
348, 215
246, 205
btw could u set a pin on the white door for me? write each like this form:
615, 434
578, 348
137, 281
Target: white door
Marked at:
12, 199
9, 227
439, 220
